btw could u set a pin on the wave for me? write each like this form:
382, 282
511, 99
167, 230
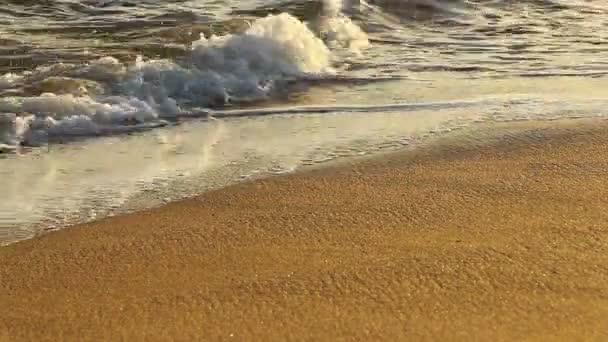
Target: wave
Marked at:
317, 43
108, 96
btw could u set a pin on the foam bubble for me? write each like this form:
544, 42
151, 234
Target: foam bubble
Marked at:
339, 30
9, 80
109, 95
332, 8
234, 68
53, 115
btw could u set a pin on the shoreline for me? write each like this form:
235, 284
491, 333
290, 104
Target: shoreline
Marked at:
496, 234
77, 183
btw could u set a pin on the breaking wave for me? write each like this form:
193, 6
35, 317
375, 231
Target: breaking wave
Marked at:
268, 57
108, 96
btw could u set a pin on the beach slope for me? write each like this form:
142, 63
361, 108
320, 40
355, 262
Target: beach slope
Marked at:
497, 235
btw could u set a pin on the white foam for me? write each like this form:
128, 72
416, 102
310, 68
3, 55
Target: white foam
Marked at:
67, 99
51, 115
234, 68
332, 8
9, 80
339, 30
108, 95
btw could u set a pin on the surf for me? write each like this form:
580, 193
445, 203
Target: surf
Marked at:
108, 96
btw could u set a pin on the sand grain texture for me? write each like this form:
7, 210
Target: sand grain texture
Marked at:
502, 237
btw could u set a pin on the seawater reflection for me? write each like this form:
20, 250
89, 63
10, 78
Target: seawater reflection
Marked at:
77, 182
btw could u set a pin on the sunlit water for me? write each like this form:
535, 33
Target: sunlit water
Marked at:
111, 106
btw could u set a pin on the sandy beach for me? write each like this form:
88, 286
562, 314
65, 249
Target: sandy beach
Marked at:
500, 234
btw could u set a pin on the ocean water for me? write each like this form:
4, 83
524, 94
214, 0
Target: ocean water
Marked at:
108, 106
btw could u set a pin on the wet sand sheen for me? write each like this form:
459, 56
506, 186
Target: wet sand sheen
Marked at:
502, 236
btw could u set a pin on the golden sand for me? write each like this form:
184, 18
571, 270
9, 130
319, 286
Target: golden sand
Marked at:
501, 237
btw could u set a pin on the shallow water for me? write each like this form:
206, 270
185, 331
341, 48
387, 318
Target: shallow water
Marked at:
109, 106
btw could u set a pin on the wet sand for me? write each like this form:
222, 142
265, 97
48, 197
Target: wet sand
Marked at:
499, 237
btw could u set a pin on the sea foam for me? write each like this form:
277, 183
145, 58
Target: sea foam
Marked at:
339, 30
107, 95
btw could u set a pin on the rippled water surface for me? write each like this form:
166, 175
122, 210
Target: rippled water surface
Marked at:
495, 37
114, 105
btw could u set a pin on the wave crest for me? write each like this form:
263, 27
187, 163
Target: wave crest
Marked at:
108, 95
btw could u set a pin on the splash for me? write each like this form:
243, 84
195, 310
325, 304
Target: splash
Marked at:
109, 96
332, 8
7, 80
339, 30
